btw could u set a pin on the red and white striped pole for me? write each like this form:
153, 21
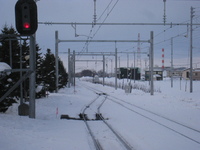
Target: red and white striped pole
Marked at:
163, 57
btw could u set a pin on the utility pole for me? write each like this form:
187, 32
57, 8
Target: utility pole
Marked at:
103, 70
74, 66
56, 59
32, 78
119, 61
95, 15
151, 62
69, 70
172, 69
111, 67
21, 85
10, 52
164, 16
127, 72
191, 47
115, 68
134, 66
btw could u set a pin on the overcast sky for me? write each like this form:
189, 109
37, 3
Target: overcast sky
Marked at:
119, 11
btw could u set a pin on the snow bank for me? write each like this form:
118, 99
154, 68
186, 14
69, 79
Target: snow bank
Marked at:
48, 132
3, 67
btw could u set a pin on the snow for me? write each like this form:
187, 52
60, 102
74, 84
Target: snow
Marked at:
49, 132
3, 67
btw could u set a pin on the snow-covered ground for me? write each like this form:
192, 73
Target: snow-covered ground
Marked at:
49, 132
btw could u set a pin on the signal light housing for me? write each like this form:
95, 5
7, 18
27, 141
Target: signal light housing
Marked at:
26, 17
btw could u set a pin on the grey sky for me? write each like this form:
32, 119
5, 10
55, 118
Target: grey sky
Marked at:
129, 11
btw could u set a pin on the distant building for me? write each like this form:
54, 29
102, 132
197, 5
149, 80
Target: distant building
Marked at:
177, 72
130, 73
157, 74
196, 74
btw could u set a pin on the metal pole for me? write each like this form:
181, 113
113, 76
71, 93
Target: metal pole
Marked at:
95, 15
56, 59
119, 24
127, 72
71, 69
164, 16
21, 85
103, 70
111, 67
10, 48
152, 59
108, 41
119, 61
191, 46
172, 70
74, 59
69, 72
134, 66
107, 66
115, 68
32, 78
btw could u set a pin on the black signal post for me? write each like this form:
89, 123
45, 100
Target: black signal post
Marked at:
26, 25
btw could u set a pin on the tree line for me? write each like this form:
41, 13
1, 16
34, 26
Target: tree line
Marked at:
45, 69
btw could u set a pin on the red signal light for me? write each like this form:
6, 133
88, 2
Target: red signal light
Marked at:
26, 17
26, 25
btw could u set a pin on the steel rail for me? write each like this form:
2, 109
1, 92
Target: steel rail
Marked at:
198, 142
196, 130
158, 115
119, 137
117, 102
95, 141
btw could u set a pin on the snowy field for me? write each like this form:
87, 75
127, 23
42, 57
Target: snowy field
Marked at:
49, 132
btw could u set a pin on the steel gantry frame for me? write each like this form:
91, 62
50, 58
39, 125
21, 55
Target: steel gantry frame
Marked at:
119, 24
151, 41
30, 72
71, 62
131, 24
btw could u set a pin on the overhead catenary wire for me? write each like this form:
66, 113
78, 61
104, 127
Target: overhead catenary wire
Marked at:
154, 44
93, 26
90, 38
91, 30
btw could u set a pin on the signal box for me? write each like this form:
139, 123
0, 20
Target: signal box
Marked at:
26, 17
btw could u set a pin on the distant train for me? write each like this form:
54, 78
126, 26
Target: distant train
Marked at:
96, 79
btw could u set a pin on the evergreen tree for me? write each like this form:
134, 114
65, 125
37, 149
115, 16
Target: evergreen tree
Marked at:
45, 69
7, 82
14, 61
63, 76
39, 78
49, 75
89, 73
48, 71
39, 61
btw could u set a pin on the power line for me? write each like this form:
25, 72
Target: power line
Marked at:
91, 30
182, 34
90, 38
104, 10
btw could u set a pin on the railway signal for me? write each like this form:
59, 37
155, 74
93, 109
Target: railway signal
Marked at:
26, 17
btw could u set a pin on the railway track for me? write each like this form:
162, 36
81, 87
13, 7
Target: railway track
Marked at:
181, 129
103, 135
